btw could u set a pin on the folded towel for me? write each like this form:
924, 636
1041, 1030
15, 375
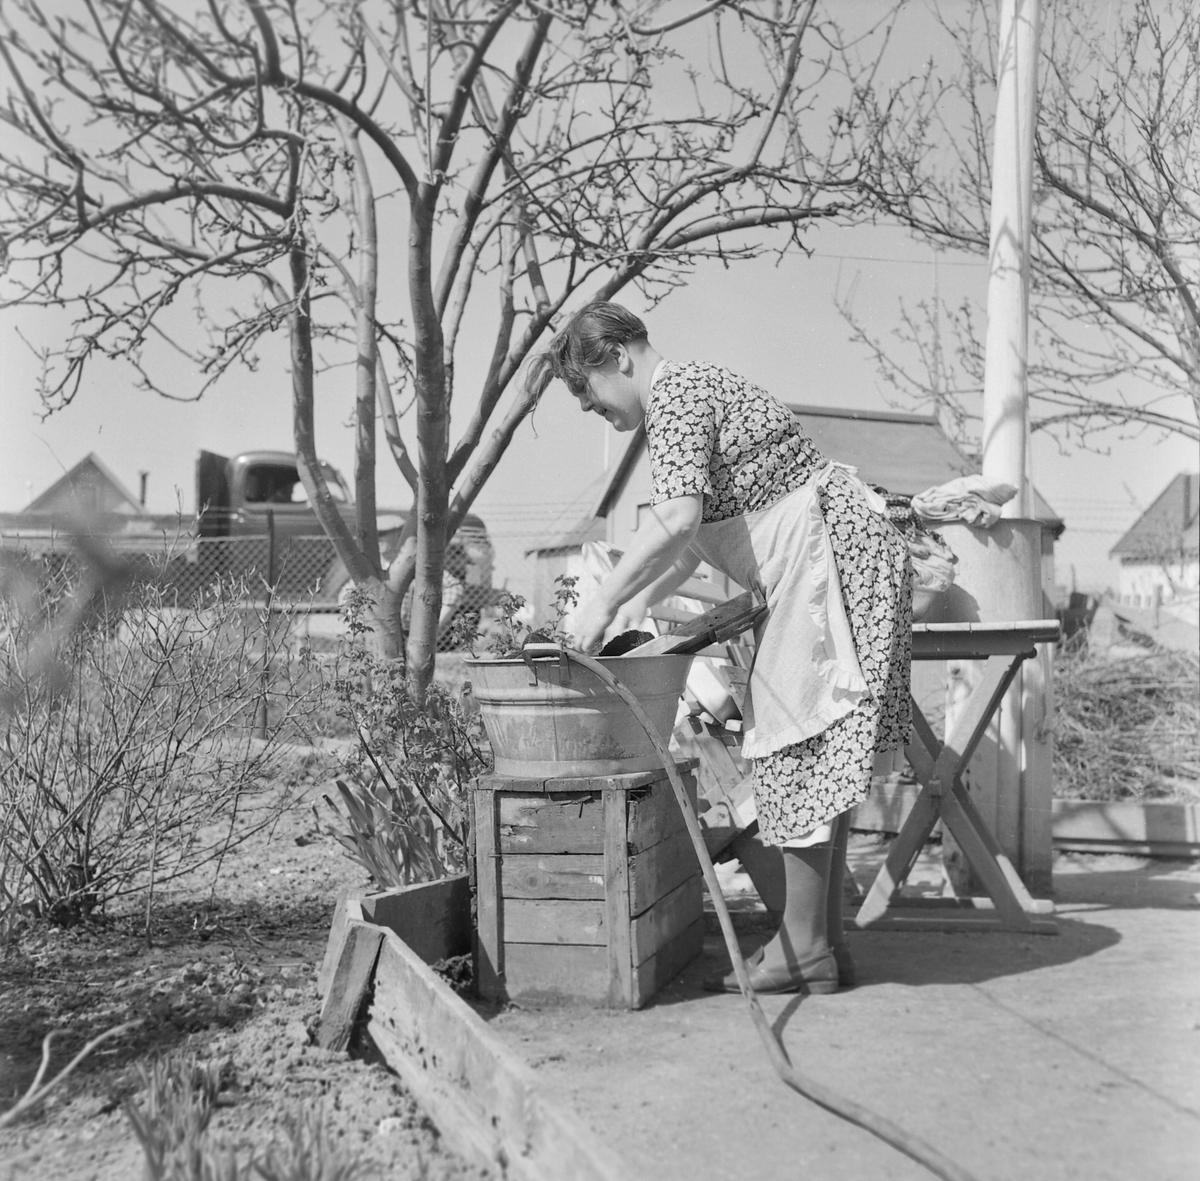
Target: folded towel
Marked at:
973, 499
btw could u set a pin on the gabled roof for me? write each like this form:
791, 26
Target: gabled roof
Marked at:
1169, 528
89, 487
590, 528
904, 453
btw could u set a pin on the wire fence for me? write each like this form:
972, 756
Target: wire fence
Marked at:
295, 573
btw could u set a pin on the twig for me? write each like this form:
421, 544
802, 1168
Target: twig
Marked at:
37, 1092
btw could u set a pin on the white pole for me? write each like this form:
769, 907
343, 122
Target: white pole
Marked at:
1005, 395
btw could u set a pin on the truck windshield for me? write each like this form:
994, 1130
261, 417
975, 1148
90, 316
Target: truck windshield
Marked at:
279, 483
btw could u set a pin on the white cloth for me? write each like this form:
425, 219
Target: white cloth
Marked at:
973, 499
806, 673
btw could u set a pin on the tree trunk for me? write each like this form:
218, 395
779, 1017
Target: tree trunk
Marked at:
433, 443
385, 614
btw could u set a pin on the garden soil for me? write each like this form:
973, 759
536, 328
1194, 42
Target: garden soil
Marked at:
228, 976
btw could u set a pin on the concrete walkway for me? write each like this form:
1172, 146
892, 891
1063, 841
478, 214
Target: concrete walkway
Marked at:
1042, 1057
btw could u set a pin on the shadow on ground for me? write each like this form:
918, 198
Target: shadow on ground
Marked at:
206, 967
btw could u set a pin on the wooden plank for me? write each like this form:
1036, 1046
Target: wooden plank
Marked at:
489, 929
348, 985
1088, 826
433, 918
628, 781
540, 971
989, 862
655, 815
917, 827
1034, 820
618, 808
541, 920
656, 972
484, 1100
1106, 822
566, 823
928, 918
667, 918
723, 622
345, 911
563, 875
657, 871
720, 771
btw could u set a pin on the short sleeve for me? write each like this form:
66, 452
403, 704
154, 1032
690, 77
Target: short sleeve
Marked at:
682, 423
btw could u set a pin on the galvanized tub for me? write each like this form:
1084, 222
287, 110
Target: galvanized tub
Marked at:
548, 718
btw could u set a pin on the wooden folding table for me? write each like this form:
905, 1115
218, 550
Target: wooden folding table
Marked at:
938, 768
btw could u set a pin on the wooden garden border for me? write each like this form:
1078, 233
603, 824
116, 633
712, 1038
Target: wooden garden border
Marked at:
1084, 826
485, 1100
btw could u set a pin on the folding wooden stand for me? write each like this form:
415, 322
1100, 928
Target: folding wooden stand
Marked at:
938, 768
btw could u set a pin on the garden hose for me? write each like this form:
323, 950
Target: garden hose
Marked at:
890, 1133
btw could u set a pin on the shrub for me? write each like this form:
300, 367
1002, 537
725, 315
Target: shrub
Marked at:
403, 793
131, 736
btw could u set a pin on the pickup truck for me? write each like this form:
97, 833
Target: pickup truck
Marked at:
254, 519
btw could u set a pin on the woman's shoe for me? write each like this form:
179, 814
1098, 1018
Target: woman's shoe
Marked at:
818, 976
847, 973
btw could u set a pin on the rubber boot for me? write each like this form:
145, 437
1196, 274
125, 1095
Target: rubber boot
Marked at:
835, 929
802, 935
797, 958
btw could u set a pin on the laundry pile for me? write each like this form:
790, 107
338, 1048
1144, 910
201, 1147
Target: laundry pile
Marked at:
972, 499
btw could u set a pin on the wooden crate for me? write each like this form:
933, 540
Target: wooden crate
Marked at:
586, 889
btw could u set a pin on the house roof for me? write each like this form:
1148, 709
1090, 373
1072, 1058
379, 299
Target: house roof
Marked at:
904, 453
89, 487
1169, 528
590, 528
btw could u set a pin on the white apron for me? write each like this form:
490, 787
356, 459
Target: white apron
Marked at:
806, 673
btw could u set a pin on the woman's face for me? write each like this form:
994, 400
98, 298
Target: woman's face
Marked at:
610, 392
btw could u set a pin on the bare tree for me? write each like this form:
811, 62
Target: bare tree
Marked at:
527, 154
1115, 332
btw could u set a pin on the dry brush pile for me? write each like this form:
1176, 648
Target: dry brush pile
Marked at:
1127, 729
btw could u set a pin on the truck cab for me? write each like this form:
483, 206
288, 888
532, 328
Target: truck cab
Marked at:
255, 521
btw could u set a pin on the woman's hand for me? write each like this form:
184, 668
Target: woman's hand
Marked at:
665, 534
591, 622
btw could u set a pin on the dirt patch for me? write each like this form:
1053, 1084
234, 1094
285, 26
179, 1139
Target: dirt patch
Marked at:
228, 976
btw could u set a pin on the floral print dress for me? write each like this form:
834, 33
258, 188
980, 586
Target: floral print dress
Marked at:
715, 434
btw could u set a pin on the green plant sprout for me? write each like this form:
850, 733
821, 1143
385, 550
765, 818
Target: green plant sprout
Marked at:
513, 633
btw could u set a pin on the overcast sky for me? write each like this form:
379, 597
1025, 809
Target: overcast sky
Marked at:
775, 323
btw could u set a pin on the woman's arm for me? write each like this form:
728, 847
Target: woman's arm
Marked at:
664, 536
637, 608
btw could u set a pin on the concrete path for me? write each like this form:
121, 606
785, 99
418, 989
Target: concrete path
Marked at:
1041, 1057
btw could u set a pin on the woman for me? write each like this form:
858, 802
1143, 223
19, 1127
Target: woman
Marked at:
737, 483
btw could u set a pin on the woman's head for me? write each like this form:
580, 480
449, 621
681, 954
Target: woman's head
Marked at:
585, 343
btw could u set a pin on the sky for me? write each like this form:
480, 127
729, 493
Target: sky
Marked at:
775, 322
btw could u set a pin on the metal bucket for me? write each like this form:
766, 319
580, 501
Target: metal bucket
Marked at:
549, 718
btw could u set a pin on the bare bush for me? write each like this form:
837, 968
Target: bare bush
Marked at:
133, 740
